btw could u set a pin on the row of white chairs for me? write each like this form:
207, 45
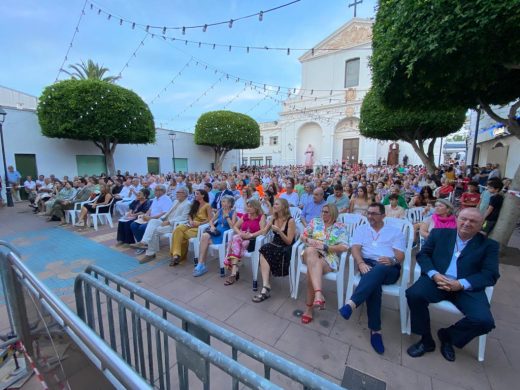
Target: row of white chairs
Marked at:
96, 217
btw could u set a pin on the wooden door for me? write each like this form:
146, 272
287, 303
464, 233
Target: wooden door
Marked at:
350, 150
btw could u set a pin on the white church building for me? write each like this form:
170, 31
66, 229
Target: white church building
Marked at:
325, 111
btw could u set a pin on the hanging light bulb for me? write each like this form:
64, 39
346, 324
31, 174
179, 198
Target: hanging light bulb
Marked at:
133, 26
288, 51
261, 16
120, 22
230, 24
147, 28
164, 30
183, 30
204, 28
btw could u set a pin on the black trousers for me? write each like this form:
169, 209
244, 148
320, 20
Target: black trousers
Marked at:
473, 304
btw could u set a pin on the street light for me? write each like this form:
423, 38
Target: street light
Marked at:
172, 136
7, 186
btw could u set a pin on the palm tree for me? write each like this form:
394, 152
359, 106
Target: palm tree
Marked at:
91, 71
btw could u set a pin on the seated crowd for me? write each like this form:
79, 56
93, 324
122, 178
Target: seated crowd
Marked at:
456, 258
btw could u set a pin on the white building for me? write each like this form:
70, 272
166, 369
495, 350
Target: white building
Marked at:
325, 111
494, 143
32, 153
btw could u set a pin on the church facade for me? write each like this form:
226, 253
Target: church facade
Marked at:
325, 112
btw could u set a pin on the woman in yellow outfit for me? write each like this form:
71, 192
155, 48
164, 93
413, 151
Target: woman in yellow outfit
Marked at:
200, 213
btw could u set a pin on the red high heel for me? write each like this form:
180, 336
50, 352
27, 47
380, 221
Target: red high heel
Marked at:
319, 303
307, 318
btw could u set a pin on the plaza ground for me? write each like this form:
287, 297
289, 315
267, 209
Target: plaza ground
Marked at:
326, 346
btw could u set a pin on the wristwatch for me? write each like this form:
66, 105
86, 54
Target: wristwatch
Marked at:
394, 260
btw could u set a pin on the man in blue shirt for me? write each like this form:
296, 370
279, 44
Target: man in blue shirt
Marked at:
13, 177
313, 209
456, 265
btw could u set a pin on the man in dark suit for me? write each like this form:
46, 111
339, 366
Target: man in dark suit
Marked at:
456, 265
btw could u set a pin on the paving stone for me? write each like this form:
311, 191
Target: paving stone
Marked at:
258, 323
216, 304
394, 375
317, 350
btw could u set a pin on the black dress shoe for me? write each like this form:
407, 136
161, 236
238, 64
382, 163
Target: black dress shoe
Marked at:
447, 350
420, 348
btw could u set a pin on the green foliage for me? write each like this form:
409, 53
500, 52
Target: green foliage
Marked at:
227, 130
115, 114
90, 71
407, 124
444, 52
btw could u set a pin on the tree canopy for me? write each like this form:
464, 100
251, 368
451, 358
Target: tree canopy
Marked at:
90, 71
441, 53
226, 130
409, 124
97, 111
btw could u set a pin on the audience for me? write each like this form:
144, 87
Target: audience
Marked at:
137, 208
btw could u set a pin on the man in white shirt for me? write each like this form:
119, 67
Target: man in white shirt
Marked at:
160, 206
157, 227
290, 195
30, 187
123, 205
378, 250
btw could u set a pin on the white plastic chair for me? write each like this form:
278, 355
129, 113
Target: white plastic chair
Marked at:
451, 308
296, 213
100, 217
71, 215
415, 214
399, 288
220, 249
254, 256
351, 222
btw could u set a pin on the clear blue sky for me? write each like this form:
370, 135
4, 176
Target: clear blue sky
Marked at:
36, 34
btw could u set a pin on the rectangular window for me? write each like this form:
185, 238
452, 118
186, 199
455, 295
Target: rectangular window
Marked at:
269, 161
261, 140
273, 140
256, 161
244, 160
352, 73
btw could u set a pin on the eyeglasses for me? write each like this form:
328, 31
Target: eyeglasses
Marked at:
370, 213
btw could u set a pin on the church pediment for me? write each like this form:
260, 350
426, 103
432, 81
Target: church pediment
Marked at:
354, 33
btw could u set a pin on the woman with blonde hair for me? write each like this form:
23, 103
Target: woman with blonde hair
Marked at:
275, 257
247, 228
104, 199
325, 240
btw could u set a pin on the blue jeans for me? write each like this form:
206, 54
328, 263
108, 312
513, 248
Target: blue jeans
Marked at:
138, 230
369, 289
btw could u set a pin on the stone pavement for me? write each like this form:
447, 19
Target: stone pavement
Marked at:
326, 346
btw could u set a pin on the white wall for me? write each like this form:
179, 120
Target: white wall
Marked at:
22, 135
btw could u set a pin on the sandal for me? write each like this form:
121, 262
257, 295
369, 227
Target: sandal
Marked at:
319, 303
175, 261
305, 317
262, 296
232, 279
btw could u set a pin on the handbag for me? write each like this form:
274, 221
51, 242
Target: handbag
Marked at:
215, 233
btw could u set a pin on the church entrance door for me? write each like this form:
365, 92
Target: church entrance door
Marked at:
350, 150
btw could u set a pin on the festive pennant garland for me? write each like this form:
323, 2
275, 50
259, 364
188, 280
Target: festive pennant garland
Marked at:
76, 31
183, 29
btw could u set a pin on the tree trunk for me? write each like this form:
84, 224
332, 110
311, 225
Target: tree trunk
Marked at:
509, 214
220, 154
108, 149
428, 163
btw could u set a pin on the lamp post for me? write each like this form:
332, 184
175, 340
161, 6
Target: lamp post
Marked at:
7, 185
172, 136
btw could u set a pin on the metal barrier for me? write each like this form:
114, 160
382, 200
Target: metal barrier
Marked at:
59, 343
90, 307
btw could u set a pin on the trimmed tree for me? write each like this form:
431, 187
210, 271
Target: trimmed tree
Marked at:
97, 111
409, 124
452, 53
225, 131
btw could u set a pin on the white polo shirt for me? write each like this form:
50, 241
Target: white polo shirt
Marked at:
160, 205
378, 244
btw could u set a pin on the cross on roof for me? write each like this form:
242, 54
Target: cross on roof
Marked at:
355, 4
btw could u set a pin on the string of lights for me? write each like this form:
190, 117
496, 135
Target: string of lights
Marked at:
235, 97
133, 55
212, 86
76, 31
163, 29
171, 82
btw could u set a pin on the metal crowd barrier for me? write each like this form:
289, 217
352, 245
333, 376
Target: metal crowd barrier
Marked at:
97, 289
58, 342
